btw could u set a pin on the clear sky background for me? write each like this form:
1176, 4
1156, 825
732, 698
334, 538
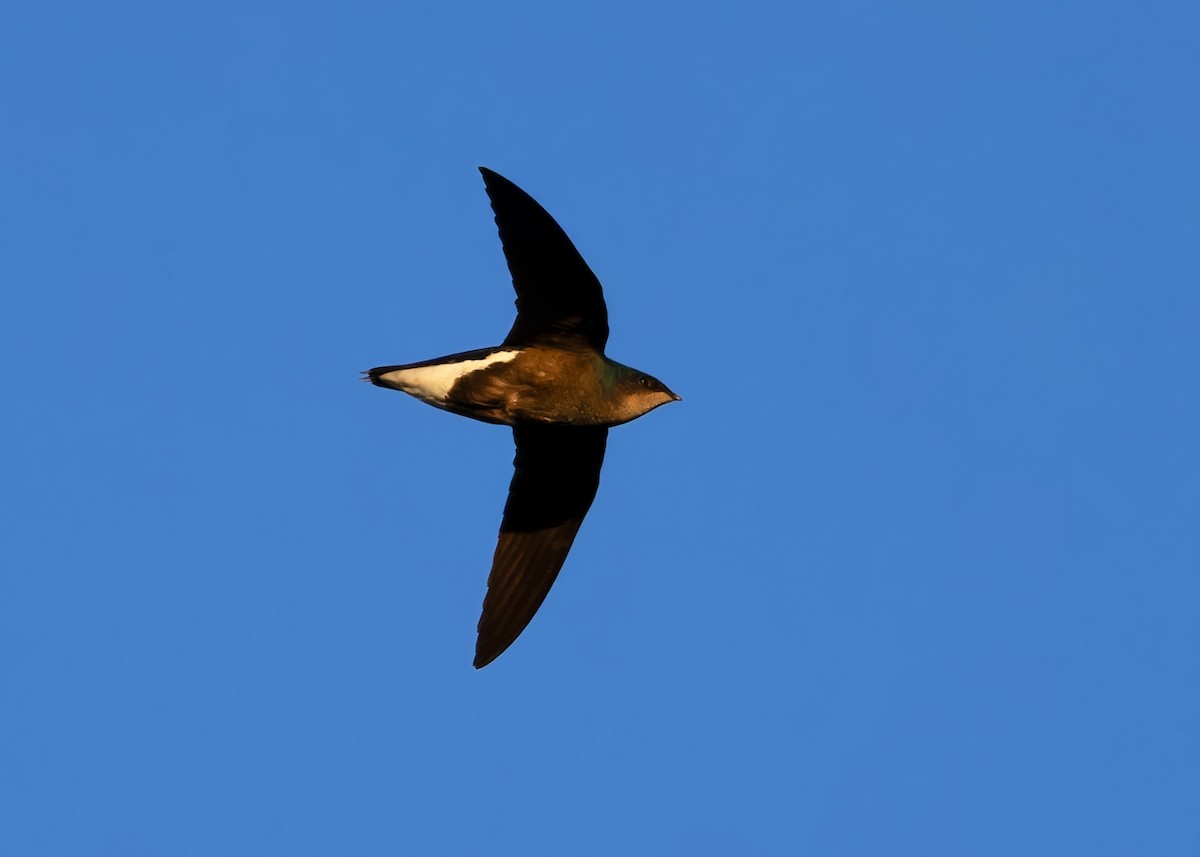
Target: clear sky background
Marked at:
911, 570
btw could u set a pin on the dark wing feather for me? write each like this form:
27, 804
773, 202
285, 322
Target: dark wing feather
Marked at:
559, 299
557, 471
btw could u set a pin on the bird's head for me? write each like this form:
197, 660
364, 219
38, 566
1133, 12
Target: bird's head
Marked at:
638, 393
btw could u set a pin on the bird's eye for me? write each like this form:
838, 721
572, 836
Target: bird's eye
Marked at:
645, 382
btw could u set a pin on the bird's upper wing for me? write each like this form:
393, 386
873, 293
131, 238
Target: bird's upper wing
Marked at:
557, 473
559, 300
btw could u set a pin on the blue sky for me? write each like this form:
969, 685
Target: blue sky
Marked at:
912, 569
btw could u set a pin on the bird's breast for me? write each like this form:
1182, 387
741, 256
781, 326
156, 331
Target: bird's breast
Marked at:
540, 385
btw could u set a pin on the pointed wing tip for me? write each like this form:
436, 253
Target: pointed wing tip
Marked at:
484, 655
493, 181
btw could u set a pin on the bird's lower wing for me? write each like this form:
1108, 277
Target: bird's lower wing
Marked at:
557, 471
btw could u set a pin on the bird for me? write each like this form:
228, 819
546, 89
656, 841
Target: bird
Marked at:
551, 381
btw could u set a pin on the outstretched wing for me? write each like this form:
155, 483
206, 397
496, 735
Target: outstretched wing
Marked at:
557, 471
559, 299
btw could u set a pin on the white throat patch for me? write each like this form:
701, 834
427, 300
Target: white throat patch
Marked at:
432, 383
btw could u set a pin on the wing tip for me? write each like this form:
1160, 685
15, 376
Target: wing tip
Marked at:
484, 655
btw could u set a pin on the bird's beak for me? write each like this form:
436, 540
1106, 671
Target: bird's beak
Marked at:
676, 398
